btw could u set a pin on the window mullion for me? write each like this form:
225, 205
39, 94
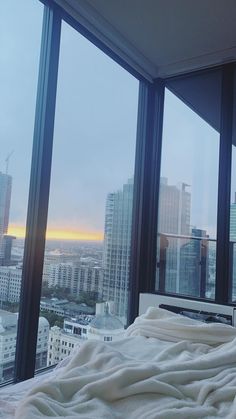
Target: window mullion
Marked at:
38, 197
146, 186
223, 214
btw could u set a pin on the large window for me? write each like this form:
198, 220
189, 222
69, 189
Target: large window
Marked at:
85, 266
20, 34
87, 251
187, 224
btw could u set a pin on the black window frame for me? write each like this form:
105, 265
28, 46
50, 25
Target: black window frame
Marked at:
223, 269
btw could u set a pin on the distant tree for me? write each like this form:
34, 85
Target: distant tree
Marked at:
9, 306
52, 318
88, 298
46, 291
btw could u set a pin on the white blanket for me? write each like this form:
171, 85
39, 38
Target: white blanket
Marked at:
140, 378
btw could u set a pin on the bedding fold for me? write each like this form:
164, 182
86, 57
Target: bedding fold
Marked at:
163, 324
145, 375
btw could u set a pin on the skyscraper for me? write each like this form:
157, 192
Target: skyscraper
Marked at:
194, 264
5, 198
174, 219
173, 222
233, 245
174, 208
116, 259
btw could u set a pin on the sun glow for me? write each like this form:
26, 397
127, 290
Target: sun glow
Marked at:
58, 234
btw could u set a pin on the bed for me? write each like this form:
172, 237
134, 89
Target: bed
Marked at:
167, 366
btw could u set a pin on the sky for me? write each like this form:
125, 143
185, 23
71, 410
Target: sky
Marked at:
95, 130
190, 154
95, 122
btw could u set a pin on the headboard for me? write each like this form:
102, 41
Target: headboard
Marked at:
208, 312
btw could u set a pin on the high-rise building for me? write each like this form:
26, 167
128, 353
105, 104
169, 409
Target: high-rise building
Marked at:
77, 278
5, 199
194, 264
174, 224
233, 221
174, 208
10, 283
174, 219
233, 245
61, 275
8, 333
116, 258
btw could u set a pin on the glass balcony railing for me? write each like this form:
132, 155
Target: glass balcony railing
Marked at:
186, 265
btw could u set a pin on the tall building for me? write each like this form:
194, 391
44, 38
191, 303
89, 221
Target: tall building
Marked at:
174, 219
88, 279
233, 245
174, 222
194, 264
116, 258
77, 278
61, 275
8, 332
10, 283
174, 208
5, 199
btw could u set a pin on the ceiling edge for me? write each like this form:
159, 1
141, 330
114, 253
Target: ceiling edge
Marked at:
89, 18
213, 59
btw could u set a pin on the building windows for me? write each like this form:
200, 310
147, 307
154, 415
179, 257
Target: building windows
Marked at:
232, 238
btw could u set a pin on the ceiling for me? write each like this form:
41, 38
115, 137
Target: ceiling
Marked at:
161, 38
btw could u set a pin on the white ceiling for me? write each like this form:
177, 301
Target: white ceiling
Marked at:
160, 38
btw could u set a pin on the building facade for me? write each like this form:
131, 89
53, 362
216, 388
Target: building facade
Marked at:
233, 246
10, 283
63, 341
76, 278
5, 199
8, 332
174, 225
116, 259
194, 264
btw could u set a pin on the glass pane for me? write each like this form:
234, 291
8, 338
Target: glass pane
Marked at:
186, 255
90, 210
20, 34
233, 205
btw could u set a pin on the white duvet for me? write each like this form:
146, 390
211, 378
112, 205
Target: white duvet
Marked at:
167, 367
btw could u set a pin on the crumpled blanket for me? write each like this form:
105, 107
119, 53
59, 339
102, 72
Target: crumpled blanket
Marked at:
190, 374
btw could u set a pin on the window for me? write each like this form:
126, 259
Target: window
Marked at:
91, 185
188, 194
232, 249
87, 254
20, 38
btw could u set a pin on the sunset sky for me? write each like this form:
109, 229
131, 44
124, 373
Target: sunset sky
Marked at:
19, 232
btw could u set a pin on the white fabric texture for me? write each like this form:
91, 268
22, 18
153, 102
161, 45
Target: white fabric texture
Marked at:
193, 376
12, 394
164, 324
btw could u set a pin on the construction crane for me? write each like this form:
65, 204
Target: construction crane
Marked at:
7, 160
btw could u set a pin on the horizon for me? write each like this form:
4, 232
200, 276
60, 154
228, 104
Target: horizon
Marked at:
59, 234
